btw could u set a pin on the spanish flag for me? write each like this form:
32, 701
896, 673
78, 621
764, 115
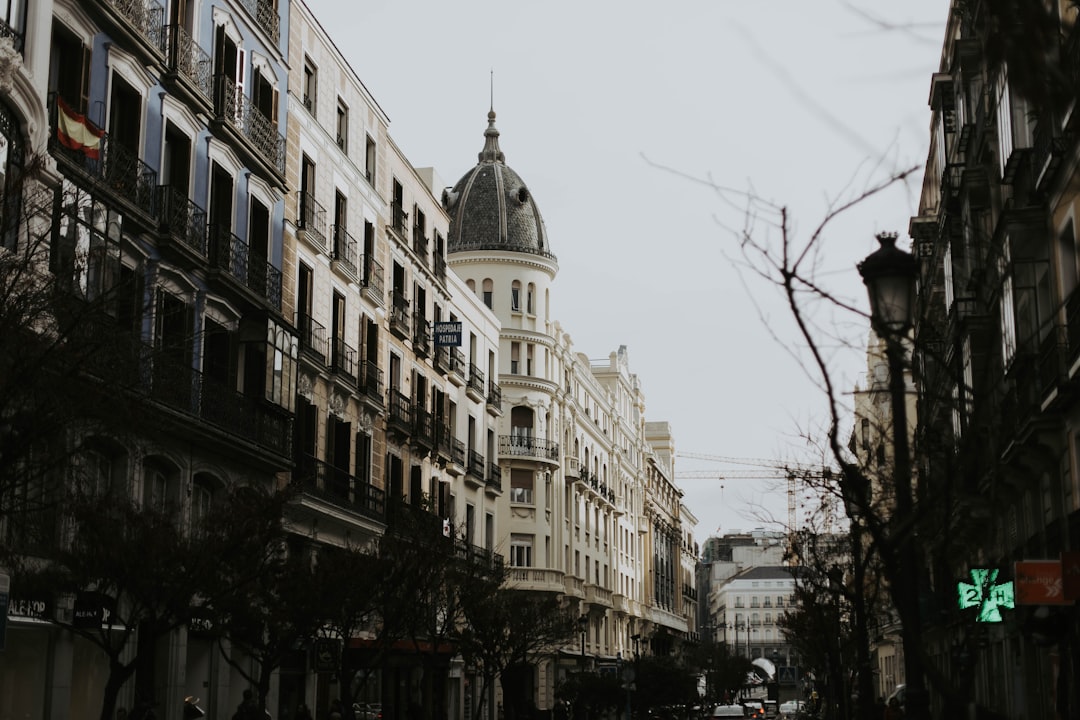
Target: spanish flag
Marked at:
74, 131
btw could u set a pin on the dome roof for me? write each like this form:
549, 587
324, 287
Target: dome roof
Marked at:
491, 208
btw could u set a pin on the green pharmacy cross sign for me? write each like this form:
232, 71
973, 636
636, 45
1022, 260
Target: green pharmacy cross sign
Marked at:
989, 596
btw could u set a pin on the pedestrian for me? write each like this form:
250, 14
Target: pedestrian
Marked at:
248, 709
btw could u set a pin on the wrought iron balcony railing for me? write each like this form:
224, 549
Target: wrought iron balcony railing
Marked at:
529, 446
457, 362
312, 336
373, 277
371, 377
476, 379
494, 478
18, 39
232, 255
110, 166
187, 59
321, 479
457, 452
399, 314
311, 217
423, 428
145, 17
494, 396
420, 243
266, 16
440, 267
477, 467
399, 218
235, 108
421, 334
400, 407
181, 219
343, 359
344, 248
183, 388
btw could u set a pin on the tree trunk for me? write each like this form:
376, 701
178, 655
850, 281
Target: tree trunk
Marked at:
118, 675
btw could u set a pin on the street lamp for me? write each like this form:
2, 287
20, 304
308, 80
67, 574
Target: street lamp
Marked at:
636, 638
890, 274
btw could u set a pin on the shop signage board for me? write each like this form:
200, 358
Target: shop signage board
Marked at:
1039, 582
448, 334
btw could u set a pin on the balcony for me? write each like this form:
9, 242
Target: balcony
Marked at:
182, 221
440, 267
493, 484
371, 382
421, 336
456, 463
343, 360
111, 167
400, 410
540, 579
1052, 354
477, 467
399, 219
475, 387
527, 446
442, 359
457, 366
188, 391
423, 436
266, 17
571, 468
312, 337
373, 279
344, 253
233, 257
478, 555
598, 595
399, 315
140, 19
189, 63
420, 243
494, 399
17, 38
311, 218
326, 482
236, 110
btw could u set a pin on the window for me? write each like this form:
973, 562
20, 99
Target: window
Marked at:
738, 601
311, 78
156, 489
202, 496
342, 126
521, 486
521, 547
754, 601
281, 368
488, 293
369, 160
515, 358
515, 296
530, 306
69, 70
85, 253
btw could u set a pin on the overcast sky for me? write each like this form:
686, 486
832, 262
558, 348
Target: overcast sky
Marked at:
614, 113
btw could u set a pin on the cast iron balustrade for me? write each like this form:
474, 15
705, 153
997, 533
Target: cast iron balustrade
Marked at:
442, 359
235, 108
529, 446
1052, 350
457, 362
477, 466
457, 452
443, 437
322, 480
478, 555
17, 39
420, 243
371, 378
179, 386
343, 359
494, 477
344, 248
233, 256
399, 219
145, 17
440, 267
373, 279
423, 428
494, 396
312, 336
476, 380
311, 217
266, 16
399, 315
421, 334
187, 59
400, 412
116, 169
181, 219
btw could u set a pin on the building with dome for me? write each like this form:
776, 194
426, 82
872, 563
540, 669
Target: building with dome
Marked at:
591, 513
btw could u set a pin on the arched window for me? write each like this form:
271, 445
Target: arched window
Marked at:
530, 299
159, 486
11, 162
102, 470
489, 293
203, 488
515, 296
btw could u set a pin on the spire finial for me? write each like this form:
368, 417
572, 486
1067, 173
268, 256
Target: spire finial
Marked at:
491, 151
492, 107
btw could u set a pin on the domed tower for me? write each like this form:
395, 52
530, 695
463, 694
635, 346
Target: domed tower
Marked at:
498, 245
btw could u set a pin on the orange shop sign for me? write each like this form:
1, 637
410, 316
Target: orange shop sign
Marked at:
1039, 582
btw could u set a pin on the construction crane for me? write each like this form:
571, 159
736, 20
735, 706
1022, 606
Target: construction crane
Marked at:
769, 470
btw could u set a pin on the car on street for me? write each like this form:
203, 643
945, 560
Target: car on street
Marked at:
754, 709
792, 709
367, 711
729, 711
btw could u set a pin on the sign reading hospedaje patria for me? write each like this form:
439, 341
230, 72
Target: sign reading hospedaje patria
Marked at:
448, 334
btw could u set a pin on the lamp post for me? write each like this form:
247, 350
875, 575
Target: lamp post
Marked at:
889, 274
636, 638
